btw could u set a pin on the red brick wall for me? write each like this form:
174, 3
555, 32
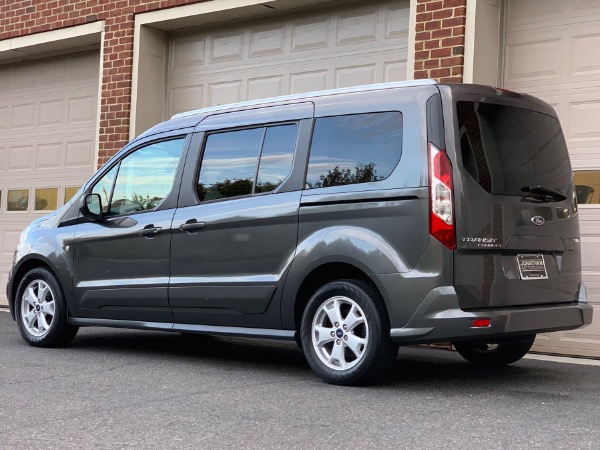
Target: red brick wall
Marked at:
440, 39
23, 17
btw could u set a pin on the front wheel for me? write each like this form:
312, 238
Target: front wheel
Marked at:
494, 355
41, 310
346, 333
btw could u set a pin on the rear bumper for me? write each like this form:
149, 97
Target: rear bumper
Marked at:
439, 318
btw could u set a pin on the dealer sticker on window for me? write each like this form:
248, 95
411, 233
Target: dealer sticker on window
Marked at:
532, 267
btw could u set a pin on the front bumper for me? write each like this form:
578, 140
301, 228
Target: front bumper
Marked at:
440, 319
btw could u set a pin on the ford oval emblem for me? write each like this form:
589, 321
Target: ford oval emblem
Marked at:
538, 220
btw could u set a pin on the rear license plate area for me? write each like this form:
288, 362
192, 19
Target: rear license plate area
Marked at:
532, 267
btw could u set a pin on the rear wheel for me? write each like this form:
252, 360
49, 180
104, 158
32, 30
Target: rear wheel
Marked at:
41, 310
346, 333
494, 355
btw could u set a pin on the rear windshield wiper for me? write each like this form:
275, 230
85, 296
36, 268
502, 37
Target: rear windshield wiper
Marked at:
541, 192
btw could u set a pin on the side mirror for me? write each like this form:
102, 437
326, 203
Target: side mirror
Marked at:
91, 207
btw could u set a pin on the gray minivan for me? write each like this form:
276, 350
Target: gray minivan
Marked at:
351, 220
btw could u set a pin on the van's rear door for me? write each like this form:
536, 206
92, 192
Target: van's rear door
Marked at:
517, 228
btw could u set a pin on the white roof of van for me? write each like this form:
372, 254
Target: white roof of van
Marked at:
283, 98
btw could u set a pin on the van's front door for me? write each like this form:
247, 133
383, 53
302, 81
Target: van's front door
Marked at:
234, 235
121, 263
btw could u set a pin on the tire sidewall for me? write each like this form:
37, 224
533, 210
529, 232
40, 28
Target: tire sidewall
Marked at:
60, 310
373, 316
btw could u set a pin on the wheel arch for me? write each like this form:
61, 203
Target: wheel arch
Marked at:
26, 265
320, 275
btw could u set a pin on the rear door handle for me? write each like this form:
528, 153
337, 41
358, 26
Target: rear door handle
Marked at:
192, 225
150, 231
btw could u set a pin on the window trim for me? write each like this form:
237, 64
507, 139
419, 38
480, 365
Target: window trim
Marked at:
264, 126
306, 187
186, 140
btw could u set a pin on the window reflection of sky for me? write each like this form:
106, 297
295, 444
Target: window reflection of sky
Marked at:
233, 155
277, 154
148, 172
346, 141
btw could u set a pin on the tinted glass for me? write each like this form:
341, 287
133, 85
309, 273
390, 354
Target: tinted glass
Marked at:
70, 192
46, 199
229, 164
146, 177
587, 186
354, 149
17, 200
506, 149
276, 157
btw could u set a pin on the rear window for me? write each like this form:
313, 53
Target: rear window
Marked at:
355, 148
506, 149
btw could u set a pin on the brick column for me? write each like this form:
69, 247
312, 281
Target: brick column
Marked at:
440, 40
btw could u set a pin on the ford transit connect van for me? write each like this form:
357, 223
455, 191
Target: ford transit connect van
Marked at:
352, 220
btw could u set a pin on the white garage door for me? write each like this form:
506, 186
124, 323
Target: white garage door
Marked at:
48, 116
552, 50
359, 44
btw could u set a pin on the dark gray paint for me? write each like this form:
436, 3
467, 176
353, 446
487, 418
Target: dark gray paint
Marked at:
113, 261
264, 246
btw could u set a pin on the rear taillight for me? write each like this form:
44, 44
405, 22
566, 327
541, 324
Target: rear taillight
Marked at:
441, 217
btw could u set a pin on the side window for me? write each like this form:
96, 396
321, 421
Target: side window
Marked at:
143, 178
245, 162
356, 148
276, 157
229, 164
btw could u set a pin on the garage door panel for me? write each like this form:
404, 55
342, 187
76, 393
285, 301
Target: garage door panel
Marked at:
307, 52
565, 57
267, 41
552, 52
355, 27
525, 61
48, 120
310, 34
307, 81
226, 47
355, 75
393, 71
264, 87
585, 53
536, 14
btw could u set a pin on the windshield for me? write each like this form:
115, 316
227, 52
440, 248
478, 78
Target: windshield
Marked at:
512, 151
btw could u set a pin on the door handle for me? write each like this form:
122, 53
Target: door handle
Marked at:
150, 231
192, 225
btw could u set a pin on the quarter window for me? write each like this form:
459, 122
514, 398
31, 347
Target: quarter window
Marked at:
356, 148
143, 179
277, 157
246, 162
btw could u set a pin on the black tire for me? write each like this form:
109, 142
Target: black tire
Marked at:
377, 354
494, 355
58, 332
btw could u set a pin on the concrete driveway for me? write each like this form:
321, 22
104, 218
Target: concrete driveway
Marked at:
133, 389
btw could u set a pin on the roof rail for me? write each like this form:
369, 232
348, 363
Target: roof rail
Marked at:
368, 87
